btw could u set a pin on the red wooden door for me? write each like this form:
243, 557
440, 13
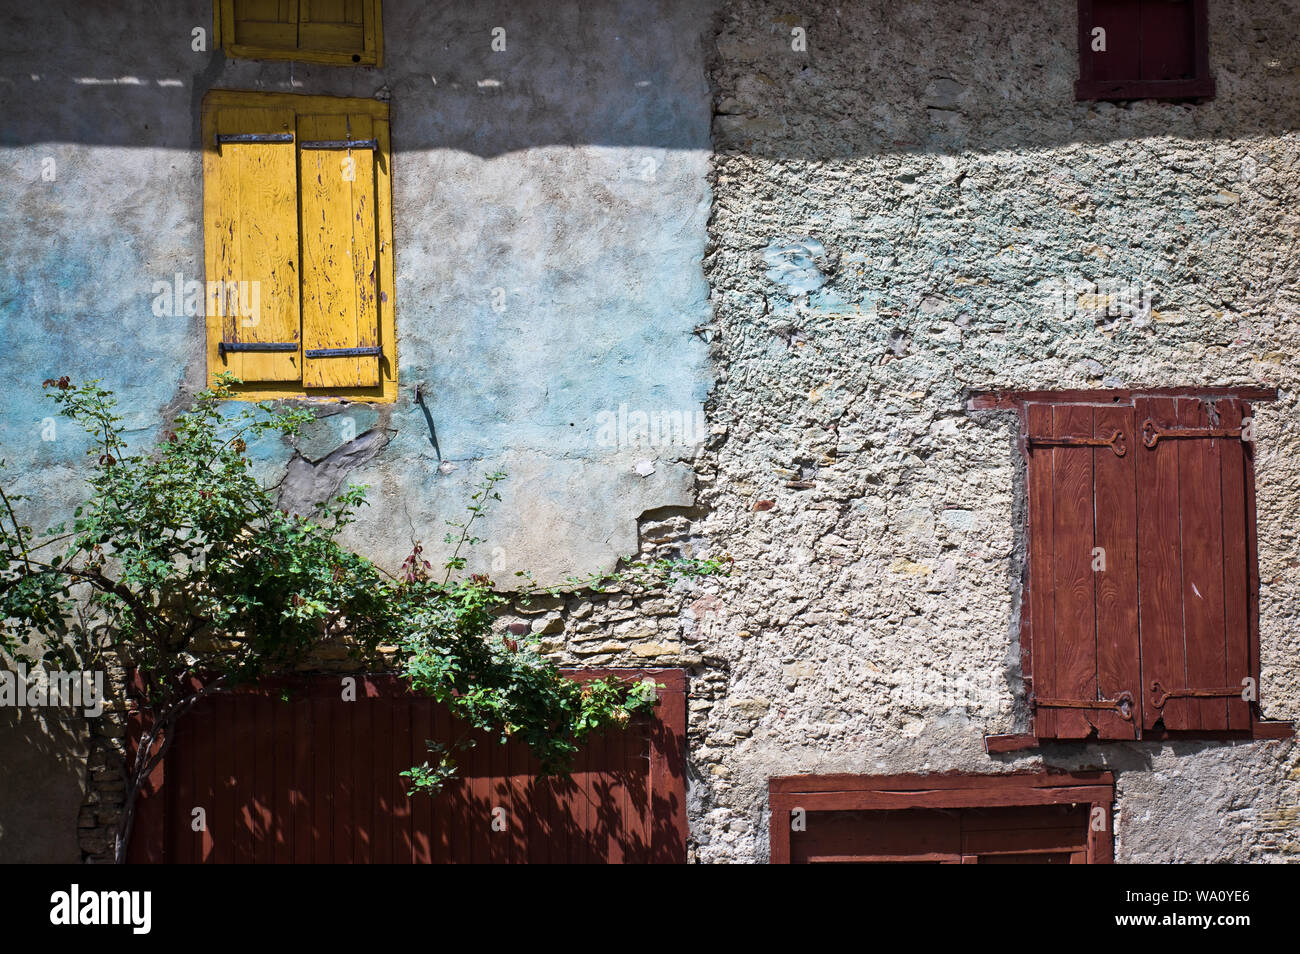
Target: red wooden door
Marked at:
297, 774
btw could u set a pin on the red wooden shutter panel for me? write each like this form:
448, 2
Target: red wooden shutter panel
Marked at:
1194, 564
1122, 58
1082, 498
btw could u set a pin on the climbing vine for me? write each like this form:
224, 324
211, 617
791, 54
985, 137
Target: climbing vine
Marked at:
180, 568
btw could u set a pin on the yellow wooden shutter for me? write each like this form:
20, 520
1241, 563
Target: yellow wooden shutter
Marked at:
251, 242
341, 291
335, 26
264, 23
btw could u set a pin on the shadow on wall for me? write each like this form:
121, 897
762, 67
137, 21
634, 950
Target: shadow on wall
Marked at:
875, 77
617, 73
43, 753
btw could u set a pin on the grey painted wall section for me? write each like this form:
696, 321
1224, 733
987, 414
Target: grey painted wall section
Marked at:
550, 203
569, 172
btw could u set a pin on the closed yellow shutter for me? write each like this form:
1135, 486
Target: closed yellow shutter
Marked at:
341, 290
251, 242
264, 23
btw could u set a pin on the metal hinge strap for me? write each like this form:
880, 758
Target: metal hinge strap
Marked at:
1122, 703
252, 137
1115, 442
339, 144
1162, 696
1152, 432
225, 346
343, 352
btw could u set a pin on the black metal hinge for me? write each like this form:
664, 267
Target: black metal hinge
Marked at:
252, 137
343, 352
225, 346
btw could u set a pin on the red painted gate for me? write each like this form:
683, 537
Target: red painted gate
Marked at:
312, 778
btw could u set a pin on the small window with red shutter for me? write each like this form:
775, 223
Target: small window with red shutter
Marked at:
1140, 601
1144, 49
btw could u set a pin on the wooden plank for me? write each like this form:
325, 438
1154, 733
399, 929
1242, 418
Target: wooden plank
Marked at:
221, 821
1201, 504
403, 711
259, 790
1252, 569
265, 23
577, 815
283, 756
1122, 57
1119, 665
1160, 566
302, 793
246, 747
1101, 841
636, 815
1036, 839
1236, 576
205, 777
1168, 39
257, 243
1002, 742
339, 252
501, 837
180, 771
667, 779
383, 771
890, 835
524, 806
1075, 638
1060, 816
149, 838
334, 37
957, 781
1041, 545
779, 834
363, 772
423, 848
882, 801
324, 778
343, 726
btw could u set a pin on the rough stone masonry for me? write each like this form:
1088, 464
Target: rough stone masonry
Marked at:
913, 208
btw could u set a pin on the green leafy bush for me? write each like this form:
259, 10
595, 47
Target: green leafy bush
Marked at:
181, 568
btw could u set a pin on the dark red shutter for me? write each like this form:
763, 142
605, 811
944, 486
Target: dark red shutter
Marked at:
1083, 622
1122, 21
1168, 39
1193, 565
1154, 49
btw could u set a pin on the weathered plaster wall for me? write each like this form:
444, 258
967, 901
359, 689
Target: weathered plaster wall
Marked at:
550, 203
568, 171
891, 208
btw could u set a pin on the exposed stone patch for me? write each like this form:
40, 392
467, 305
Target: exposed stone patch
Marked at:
307, 484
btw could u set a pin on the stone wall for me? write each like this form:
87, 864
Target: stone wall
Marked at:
913, 208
